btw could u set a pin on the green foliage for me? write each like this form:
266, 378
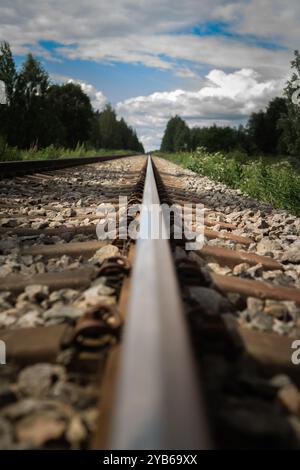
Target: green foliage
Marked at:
109, 132
261, 135
8, 153
176, 137
48, 153
38, 115
29, 106
8, 73
290, 122
214, 138
277, 183
263, 130
72, 113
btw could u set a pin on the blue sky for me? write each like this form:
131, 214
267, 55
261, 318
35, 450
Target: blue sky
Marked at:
214, 61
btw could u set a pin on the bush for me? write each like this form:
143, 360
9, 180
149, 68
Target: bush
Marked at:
278, 184
8, 153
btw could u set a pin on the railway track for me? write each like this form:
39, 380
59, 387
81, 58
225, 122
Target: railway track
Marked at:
136, 345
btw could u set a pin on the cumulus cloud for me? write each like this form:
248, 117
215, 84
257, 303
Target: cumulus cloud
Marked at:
144, 32
98, 99
249, 63
225, 99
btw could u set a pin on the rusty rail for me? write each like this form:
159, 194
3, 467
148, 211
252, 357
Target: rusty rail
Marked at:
158, 401
11, 169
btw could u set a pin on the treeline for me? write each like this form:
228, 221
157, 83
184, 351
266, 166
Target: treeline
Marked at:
34, 113
273, 131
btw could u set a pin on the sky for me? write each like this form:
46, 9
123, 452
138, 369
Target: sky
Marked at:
210, 61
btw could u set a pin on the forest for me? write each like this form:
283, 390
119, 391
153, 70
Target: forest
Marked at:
36, 114
272, 131
262, 158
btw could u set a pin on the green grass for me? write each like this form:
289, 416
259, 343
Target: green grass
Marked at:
271, 180
14, 154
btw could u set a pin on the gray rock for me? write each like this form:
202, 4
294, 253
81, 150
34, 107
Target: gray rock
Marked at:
63, 295
281, 380
76, 432
292, 254
7, 245
5, 301
36, 381
95, 295
36, 430
255, 271
262, 322
24, 306
40, 225
70, 212
37, 212
36, 292
30, 320
105, 252
274, 308
90, 417
254, 305
40, 267
27, 260
281, 327
240, 268
216, 268
21, 408
62, 312
209, 300
7, 319
266, 246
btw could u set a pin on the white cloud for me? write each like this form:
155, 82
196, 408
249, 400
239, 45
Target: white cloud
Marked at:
140, 31
143, 32
185, 72
225, 98
98, 99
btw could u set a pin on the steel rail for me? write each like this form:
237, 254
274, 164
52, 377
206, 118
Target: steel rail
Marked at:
11, 169
158, 401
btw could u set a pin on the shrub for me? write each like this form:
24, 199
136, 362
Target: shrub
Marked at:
278, 184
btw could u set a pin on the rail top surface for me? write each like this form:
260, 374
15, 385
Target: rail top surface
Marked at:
158, 404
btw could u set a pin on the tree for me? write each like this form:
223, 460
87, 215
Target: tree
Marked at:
263, 129
214, 138
36, 114
289, 123
95, 134
256, 128
114, 134
8, 76
108, 126
71, 108
8, 72
125, 134
276, 109
176, 137
30, 108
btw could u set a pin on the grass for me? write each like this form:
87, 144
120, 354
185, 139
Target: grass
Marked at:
14, 154
272, 180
